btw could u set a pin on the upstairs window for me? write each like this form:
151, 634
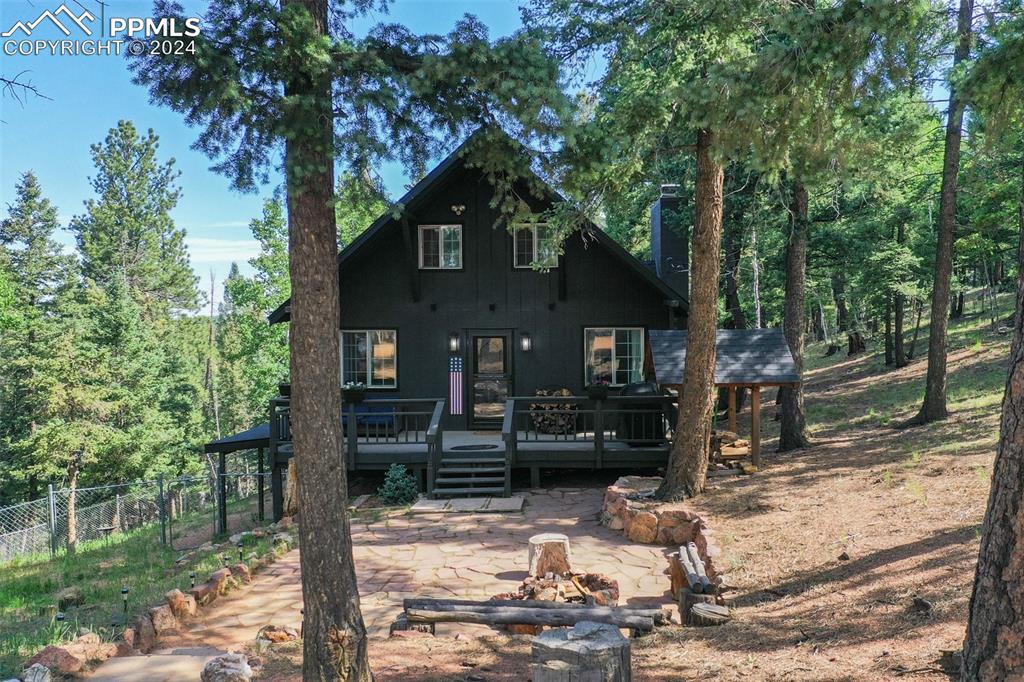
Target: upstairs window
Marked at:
534, 246
370, 357
613, 355
440, 247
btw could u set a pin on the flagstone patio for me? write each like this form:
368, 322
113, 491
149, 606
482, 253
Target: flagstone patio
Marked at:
465, 555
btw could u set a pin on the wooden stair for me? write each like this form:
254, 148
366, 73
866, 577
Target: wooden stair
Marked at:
473, 476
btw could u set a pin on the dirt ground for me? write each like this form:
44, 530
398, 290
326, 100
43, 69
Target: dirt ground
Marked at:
851, 560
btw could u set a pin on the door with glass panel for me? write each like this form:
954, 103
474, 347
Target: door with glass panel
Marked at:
490, 379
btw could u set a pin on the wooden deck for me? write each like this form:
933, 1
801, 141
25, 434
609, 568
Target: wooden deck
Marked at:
571, 432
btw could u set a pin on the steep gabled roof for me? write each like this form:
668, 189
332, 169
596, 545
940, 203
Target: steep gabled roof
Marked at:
424, 189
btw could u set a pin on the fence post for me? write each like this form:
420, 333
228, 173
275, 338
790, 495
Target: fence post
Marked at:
51, 508
162, 503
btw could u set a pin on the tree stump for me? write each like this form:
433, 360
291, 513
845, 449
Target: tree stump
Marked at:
687, 600
588, 651
708, 614
549, 553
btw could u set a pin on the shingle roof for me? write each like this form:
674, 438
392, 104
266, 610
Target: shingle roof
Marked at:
256, 437
743, 356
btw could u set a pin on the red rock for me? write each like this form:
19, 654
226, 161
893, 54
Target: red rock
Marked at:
642, 527
204, 594
58, 659
145, 634
163, 619
182, 605
277, 634
129, 636
221, 580
123, 648
241, 571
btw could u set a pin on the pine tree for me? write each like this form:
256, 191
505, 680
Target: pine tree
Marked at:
265, 77
39, 272
360, 199
128, 229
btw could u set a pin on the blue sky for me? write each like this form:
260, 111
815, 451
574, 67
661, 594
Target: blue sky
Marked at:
89, 94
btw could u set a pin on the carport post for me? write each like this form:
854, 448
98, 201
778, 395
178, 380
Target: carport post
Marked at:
259, 483
755, 425
732, 408
222, 494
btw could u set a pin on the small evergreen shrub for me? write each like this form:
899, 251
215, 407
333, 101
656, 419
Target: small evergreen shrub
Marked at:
399, 486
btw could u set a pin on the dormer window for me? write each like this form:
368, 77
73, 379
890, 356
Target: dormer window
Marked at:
534, 246
440, 247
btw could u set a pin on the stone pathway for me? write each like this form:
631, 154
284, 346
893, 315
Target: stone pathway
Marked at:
504, 505
463, 555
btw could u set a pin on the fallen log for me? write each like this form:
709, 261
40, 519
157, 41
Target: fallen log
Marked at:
706, 586
690, 571
510, 615
658, 615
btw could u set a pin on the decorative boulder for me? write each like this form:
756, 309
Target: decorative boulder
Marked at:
57, 659
276, 634
182, 605
163, 619
145, 634
227, 668
221, 581
241, 571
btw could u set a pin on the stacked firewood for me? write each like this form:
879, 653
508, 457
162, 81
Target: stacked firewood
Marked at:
697, 594
554, 418
727, 446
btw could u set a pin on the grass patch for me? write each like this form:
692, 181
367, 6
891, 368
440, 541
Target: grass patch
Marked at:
100, 568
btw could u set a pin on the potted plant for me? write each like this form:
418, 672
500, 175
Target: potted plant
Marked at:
353, 392
598, 389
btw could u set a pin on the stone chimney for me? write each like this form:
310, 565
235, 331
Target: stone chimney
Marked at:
670, 246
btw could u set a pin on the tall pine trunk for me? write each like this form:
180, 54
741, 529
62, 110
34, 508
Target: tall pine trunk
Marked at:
73, 506
793, 430
994, 645
755, 277
732, 237
839, 294
888, 330
334, 642
687, 468
899, 305
934, 406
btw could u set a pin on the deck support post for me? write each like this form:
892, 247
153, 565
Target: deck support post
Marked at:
534, 477
351, 437
261, 512
277, 490
598, 433
222, 493
755, 425
732, 408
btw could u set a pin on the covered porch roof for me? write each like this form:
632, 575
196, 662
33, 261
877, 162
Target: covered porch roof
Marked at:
743, 357
256, 437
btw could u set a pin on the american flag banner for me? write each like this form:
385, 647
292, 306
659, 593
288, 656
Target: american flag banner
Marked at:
455, 385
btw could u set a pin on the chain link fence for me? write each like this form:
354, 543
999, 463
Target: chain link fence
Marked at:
183, 512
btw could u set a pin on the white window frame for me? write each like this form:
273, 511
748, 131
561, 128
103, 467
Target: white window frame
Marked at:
440, 242
369, 358
536, 244
586, 351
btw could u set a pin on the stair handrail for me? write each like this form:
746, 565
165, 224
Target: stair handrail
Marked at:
435, 444
508, 436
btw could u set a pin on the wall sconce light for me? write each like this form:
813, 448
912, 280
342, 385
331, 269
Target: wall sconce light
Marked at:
453, 342
525, 342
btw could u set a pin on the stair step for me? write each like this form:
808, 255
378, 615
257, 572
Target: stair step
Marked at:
469, 491
470, 470
457, 461
441, 480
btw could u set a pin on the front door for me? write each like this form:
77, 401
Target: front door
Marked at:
490, 379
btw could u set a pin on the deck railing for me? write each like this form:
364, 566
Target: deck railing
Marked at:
377, 421
635, 421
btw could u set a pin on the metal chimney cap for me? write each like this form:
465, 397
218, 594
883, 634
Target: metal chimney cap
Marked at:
670, 190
